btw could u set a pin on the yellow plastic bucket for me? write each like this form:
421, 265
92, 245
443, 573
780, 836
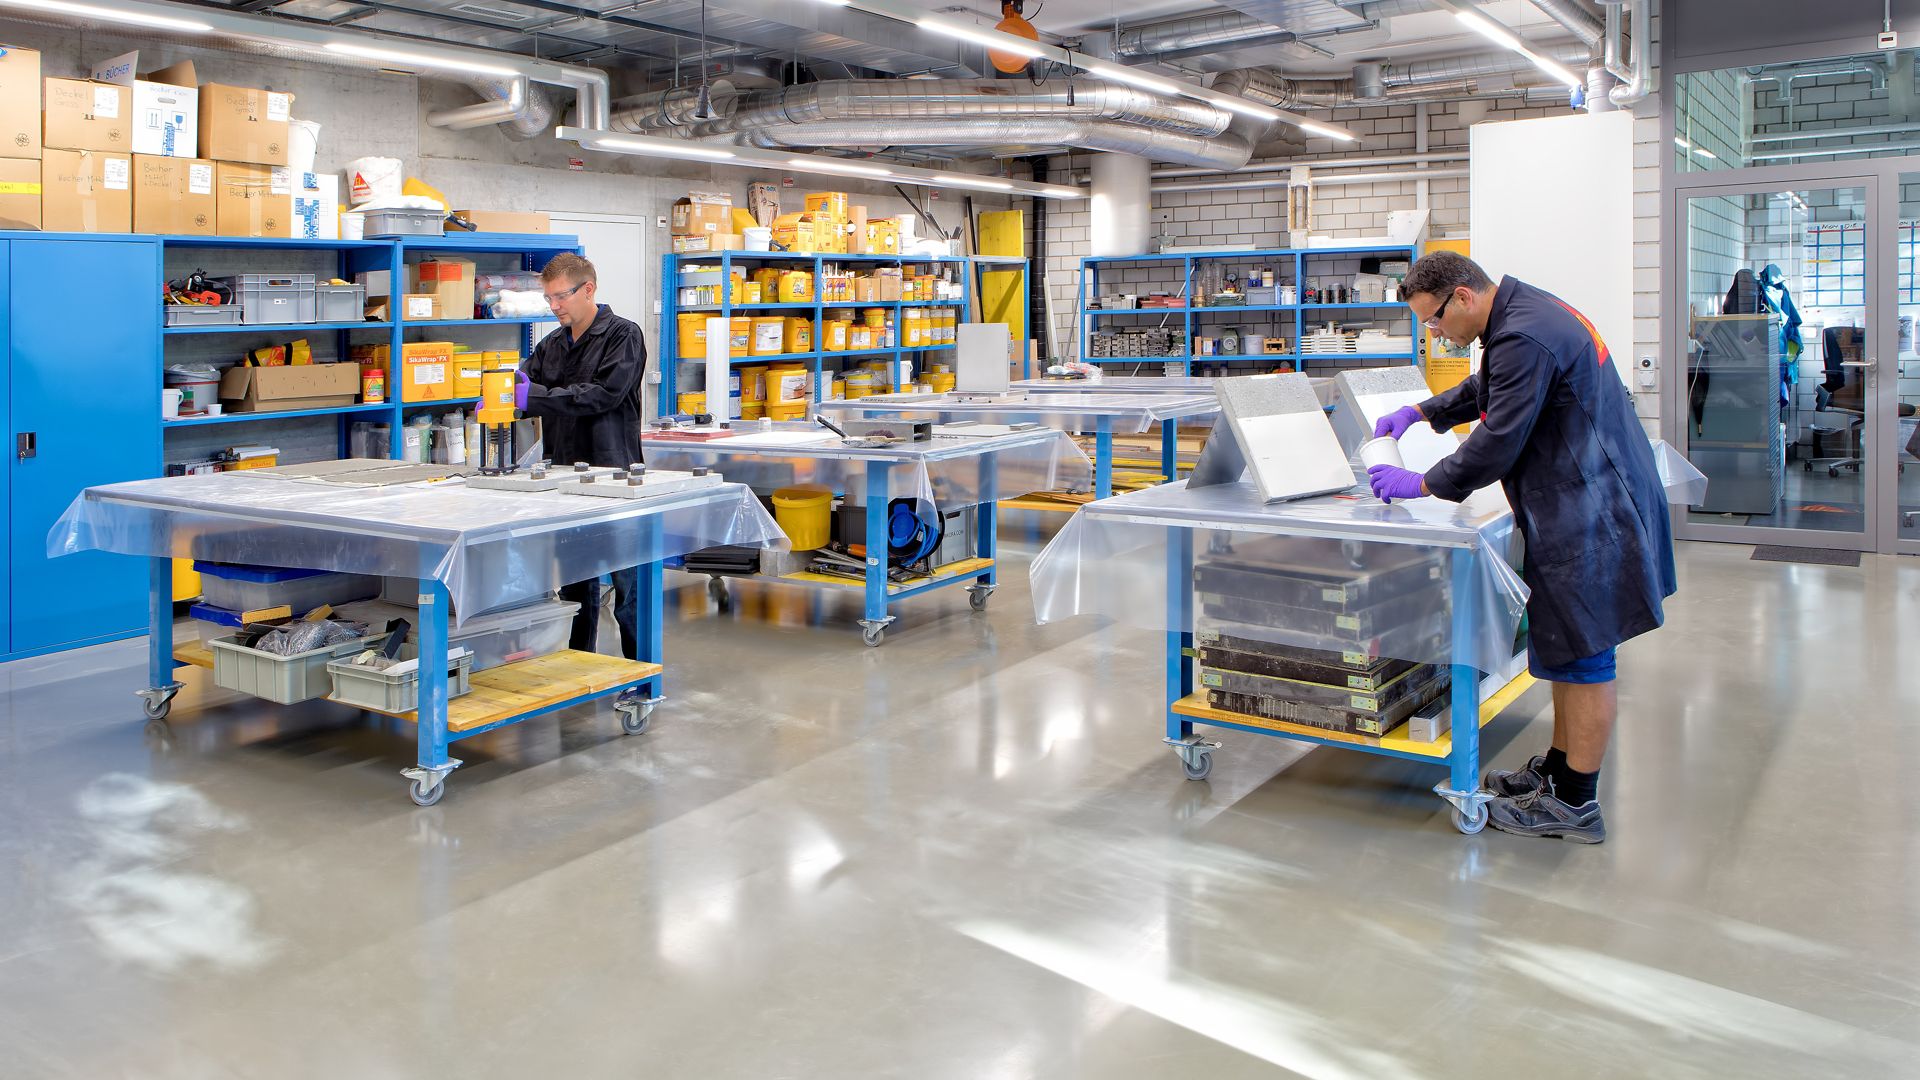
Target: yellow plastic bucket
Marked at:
805, 514
692, 343
753, 384
786, 385
874, 317
752, 410
767, 334
787, 412
693, 403
859, 384
940, 382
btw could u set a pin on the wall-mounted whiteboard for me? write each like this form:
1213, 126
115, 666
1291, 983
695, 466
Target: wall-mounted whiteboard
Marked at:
1552, 204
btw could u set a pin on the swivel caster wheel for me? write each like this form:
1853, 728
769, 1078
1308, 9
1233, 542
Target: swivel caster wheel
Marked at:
977, 598
158, 710
157, 701
873, 636
423, 795
1472, 821
1198, 766
1834, 471
636, 719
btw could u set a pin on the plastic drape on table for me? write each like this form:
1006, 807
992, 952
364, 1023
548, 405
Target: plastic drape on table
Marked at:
489, 548
1426, 581
949, 473
1125, 413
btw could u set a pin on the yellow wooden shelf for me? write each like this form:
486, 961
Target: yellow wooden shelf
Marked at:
1195, 706
197, 653
521, 687
965, 568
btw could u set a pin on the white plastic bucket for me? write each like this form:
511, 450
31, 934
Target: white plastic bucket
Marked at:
758, 239
303, 145
170, 403
1384, 450
371, 178
353, 225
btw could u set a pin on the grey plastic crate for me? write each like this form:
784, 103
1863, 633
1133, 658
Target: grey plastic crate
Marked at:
405, 222
340, 303
272, 299
371, 689
285, 679
202, 315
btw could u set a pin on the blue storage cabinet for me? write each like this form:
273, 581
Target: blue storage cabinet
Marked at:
82, 329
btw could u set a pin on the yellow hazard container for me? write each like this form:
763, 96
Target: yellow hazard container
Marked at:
859, 384
693, 403
750, 292
833, 335
805, 514
740, 337
753, 384
860, 337
837, 390
752, 410
798, 335
768, 332
692, 343
940, 382
874, 317
787, 412
786, 385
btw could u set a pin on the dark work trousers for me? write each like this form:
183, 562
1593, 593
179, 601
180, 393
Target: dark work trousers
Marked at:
586, 624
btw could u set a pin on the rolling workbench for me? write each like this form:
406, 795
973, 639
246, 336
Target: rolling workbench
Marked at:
1091, 409
946, 474
470, 550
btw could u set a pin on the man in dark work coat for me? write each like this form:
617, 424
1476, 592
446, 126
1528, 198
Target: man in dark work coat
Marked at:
1558, 431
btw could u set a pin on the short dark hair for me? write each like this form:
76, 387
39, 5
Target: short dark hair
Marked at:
574, 268
1441, 272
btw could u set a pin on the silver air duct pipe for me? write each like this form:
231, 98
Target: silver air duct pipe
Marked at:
1574, 16
917, 100
1372, 84
1387, 9
522, 109
1207, 33
1214, 152
1637, 79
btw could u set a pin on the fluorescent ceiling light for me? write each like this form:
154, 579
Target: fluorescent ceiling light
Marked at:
850, 168
1490, 29
981, 182
107, 14
1326, 132
1123, 74
1555, 69
992, 39
410, 59
833, 3
667, 148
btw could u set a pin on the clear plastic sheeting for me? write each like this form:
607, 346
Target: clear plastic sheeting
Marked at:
1686, 485
1126, 413
490, 548
1427, 581
950, 473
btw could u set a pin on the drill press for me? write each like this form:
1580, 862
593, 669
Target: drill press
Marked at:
496, 415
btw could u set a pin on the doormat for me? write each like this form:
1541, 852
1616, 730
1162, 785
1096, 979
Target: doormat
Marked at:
1816, 556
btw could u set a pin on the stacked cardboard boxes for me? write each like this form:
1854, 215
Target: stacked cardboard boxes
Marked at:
20, 150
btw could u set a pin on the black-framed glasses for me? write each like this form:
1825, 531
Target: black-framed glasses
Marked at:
1432, 322
562, 297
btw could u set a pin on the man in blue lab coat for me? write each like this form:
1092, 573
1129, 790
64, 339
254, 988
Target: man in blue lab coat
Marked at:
1558, 431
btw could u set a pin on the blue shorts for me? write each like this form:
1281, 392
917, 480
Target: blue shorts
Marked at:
1597, 668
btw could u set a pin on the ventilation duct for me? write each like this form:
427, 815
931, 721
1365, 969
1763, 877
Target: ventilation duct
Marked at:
1226, 151
1574, 16
1372, 84
522, 109
1205, 34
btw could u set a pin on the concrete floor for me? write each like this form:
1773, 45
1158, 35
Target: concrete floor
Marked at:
967, 855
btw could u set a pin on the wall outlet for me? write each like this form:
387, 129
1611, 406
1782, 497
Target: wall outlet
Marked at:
660, 222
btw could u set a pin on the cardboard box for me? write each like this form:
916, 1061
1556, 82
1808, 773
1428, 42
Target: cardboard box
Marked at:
241, 124
417, 307
84, 115
166, 106
450, 281
252, 200
426, 371
832, 205
173, 196
764, 201
19, 193
702, 212
507, 221
20, 104
86, 191
279, 389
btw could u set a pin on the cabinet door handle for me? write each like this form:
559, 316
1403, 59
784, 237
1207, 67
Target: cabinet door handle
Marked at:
26, 444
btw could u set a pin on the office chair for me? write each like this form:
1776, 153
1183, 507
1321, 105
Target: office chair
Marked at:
1843, 391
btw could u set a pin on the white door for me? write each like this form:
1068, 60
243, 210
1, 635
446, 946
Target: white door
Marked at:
613, 243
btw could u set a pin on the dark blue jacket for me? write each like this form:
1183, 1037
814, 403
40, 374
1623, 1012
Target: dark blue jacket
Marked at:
1559, 433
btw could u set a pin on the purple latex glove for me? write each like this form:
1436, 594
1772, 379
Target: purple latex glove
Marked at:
1398, 421
1391, 482
520, 384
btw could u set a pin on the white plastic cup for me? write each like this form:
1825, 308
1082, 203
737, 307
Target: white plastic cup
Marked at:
215, 409
1384, 450
170, 403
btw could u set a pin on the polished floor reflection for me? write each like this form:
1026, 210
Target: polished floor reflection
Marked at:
966, 855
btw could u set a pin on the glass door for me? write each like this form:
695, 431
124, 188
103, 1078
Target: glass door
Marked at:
1898, 375
1779, 302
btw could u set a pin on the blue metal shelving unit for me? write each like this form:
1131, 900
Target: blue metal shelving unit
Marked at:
671, 309
361, 256
1296, 265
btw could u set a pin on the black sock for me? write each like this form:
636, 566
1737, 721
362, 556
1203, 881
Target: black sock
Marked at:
1573, 787
1556, 760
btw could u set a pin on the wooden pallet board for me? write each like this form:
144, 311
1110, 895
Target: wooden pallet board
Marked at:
1195, 706
964, 568
194, 653
521, 687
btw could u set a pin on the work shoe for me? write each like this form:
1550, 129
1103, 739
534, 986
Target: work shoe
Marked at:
1516, 782
1541, 813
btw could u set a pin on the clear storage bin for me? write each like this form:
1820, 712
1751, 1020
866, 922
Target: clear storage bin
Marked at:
517, 634
253, 588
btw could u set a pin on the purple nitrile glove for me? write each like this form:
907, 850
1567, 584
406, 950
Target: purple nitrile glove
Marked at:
520, 384
1398, 421
1391, 482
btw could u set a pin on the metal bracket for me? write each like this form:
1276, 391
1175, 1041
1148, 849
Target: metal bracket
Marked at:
1467, 802
877, 624
431, 776
159, 695
1193, 747
984, 590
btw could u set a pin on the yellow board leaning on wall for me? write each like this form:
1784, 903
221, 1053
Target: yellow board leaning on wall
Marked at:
1447, 367
1003, 292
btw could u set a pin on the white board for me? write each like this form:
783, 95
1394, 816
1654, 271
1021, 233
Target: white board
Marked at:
1552, 204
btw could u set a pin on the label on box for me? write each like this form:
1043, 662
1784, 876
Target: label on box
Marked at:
199, 179
106, 103
279, 107
419, 307
1347, 622
429, 374
1333, 596
119, 174
281, 181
